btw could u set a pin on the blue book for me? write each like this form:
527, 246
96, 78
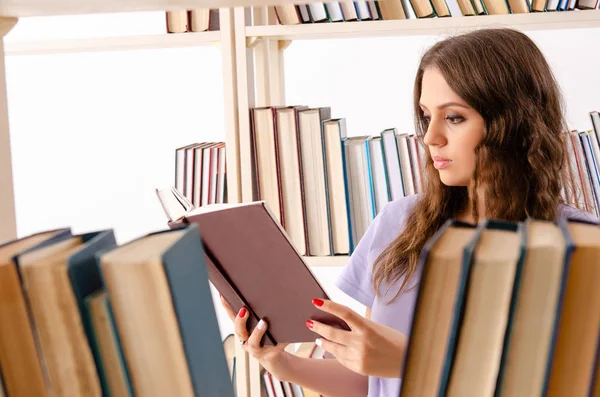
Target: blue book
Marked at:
164, 313
85, 278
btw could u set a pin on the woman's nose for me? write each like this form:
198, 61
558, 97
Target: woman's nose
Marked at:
434, 135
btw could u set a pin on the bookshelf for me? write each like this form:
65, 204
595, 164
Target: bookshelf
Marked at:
253, 68
326, 261
261, 42
115, 43
223, 39
431, 26
27, 8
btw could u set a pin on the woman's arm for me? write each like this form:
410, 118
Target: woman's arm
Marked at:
324, 376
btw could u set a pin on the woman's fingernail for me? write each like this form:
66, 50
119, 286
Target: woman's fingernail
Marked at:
261, 324
317, 302
318, 342
309, 324
242, 312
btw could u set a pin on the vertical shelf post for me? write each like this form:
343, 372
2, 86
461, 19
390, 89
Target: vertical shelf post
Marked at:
8, 221
228, 53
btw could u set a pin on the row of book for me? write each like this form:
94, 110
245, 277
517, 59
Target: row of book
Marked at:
517, 308
583, 167
83, 316
346, 11
517, 311
197, 20
201, 173
326, 187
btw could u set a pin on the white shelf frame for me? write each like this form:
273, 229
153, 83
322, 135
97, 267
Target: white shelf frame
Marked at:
223, 38
576, 19
113, 43
29, 8
327, 261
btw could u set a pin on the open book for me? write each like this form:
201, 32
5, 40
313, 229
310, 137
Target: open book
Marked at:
252, 263
175, 204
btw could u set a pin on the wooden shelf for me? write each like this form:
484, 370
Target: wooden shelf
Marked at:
29, 8
116, 43
326, 261
429, 26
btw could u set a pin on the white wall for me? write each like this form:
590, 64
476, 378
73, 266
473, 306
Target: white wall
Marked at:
370, 82
94, 134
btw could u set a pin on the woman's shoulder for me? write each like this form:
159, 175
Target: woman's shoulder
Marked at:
396, 212
569, 212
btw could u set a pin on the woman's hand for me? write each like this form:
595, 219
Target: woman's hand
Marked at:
369, 348
272, 358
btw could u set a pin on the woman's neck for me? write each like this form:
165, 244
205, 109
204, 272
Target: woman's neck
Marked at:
467, 214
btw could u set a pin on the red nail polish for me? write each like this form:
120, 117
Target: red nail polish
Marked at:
242, 312
317, 302
309, 324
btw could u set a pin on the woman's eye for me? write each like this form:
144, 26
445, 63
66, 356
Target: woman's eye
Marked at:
454, 119
425, 119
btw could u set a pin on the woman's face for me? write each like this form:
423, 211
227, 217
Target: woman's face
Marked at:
454, 130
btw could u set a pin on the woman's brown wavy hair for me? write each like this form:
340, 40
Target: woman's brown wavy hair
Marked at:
503, 75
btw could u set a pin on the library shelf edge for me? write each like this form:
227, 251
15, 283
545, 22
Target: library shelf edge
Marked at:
326, 261
576, 19
111, 43
28, 8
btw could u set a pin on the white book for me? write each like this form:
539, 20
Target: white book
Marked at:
335, 11
378, 180
317, 10
392, 164
333, 133
454, 8
374, 11
592, 168
361, 204
304, 14
409, 10
406, 166
205, 175
363, 10
222, 176
173, 203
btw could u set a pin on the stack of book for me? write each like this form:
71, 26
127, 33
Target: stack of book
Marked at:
583, 167
201, 173
326, 187
517, 309
198, 20
82, 316
507, 310
347, 11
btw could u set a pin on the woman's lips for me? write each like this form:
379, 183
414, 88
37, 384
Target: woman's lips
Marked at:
440, 162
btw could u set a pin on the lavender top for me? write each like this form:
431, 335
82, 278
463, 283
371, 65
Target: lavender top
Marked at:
356, 278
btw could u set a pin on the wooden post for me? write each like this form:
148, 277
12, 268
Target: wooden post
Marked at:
8, 221
246, 100
230, 95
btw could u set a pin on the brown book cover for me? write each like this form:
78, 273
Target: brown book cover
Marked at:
252, 263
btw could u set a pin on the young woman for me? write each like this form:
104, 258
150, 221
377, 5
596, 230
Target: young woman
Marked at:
489, 112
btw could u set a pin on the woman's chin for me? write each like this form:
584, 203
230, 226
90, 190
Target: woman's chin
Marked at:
452, 181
